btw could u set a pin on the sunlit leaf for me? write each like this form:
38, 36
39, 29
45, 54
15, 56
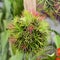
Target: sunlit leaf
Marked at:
57, 41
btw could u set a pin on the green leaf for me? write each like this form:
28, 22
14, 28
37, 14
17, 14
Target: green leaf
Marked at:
4, 45
17, 7
52, 57
4, 38
17, 57
7, 5
57, 41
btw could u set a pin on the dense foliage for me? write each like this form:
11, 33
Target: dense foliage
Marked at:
50, 7
16, 7
26, 37
30, 33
